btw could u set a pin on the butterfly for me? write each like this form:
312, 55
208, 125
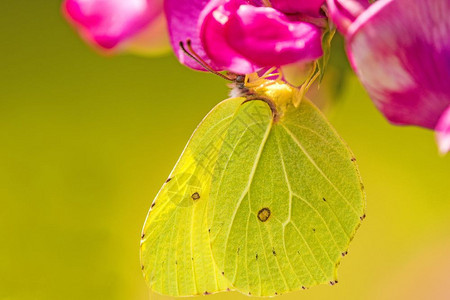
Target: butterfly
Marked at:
264, 200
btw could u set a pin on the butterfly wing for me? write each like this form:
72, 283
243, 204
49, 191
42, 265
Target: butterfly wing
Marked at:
287, 202
175, 247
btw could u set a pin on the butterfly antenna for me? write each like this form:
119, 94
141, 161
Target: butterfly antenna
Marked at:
192, 51
192, 54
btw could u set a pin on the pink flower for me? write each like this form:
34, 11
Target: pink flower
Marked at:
443, 131
400, 50
240, 36
344, 12
309, 7
243, 36
118, 24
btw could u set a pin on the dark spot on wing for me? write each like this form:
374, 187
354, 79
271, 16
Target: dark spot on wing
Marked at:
273, 252
324, 199
168, 179
353, 159
142, 267
153, 204
143, 235
206, 293
223, 273
256, 256
314, 229
333, 282
264, 214
303, 287
195, 196
344, 253
363, 217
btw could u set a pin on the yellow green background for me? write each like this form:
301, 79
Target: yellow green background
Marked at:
86, 142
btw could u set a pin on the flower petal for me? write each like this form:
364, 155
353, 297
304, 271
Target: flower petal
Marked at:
153, 40
443, 132
401, 52
310, 7
241, 38
270, 39
183, 18
214, 39
344, 12
108, 23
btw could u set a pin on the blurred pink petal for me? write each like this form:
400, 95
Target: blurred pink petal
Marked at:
443, 132
110, 23
152, 40
241, 38
400, 50
310, 7
344, 12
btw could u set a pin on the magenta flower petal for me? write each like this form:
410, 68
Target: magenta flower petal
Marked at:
153, 40
183, 18
344, 12
269, 38
108, 23
401, 52
216, 45
310, 7
241, 38
443, 132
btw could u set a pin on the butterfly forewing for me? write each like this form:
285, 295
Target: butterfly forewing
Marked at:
175, 248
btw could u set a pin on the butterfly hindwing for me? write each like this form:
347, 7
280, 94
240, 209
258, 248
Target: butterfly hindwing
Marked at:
286, 203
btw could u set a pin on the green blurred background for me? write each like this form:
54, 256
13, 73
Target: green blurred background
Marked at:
86, 142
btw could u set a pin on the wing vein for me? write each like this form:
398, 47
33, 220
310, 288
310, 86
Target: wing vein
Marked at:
192, 253
223, 172
309, 248
318, 134
246, 250
265, 257
318, 169
247, 188
321, 217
